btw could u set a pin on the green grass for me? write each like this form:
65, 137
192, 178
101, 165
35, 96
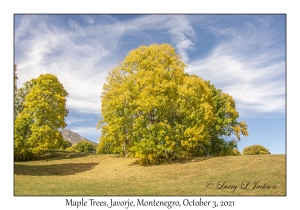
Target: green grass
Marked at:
64, 173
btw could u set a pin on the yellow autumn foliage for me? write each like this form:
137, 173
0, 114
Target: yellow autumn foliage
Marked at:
41, 113
152, 110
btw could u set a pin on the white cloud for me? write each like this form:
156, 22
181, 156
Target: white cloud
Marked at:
244, 63
180, 30
75, 120
88, 19
74, 24
74, 58
81, 55
178, 26
249, 65
23, 26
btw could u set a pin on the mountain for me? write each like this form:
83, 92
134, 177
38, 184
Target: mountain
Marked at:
73, 137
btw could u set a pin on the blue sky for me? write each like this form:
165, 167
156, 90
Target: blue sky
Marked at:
244, 55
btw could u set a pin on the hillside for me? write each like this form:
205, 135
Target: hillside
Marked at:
73, 137
81, 174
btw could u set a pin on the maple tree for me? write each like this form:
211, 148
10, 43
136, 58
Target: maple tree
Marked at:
153, 110
41, 112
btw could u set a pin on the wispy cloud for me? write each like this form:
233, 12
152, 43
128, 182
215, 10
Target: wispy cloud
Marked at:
80, 55
76, 120
75, 57
242, 55
179, 29
246, 61
249, 64
181, 32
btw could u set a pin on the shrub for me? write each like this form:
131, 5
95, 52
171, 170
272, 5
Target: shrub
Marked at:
256, 150
27, 153
83, 146
235, 152
66, 144
23, 154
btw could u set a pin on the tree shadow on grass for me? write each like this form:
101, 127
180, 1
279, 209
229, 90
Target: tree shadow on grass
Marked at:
117, 156
53, 170
59, 154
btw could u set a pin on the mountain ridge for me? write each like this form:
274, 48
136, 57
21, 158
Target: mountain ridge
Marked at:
73, 137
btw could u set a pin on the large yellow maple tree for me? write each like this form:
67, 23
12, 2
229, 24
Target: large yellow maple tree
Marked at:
152, 110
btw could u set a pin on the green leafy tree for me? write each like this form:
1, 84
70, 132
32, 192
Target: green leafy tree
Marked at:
20, 95
105, 147
256, 150
236, 152
83, 146
225, 124
41, 114
154, 111
66, 144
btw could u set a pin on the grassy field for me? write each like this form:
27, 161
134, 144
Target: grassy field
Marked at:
63, 173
